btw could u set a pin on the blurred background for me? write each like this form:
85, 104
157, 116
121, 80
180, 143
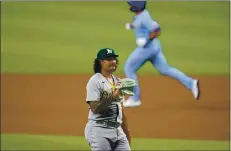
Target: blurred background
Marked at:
47, 54
59, 37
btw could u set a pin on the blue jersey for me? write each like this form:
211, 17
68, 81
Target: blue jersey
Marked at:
143, 25
151, 50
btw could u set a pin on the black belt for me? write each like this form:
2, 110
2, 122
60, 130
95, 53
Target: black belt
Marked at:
109, 123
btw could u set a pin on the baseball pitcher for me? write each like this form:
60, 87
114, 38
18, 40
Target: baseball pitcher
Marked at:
107, 128
149, 48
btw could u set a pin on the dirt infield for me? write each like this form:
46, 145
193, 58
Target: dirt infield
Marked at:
56, 105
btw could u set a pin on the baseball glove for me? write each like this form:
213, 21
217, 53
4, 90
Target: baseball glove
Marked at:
126, 86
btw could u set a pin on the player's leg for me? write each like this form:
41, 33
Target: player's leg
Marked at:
162, 66
138, 57
100, 144
122, 143
159, 61
96, 141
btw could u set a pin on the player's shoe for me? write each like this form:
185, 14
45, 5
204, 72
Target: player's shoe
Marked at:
196, 89
131, 103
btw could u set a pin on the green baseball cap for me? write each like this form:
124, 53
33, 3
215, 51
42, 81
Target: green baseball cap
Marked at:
106, 53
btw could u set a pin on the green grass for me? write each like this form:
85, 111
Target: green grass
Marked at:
46, 142
64, 37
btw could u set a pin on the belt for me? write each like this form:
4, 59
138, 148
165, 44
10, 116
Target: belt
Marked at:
109, 123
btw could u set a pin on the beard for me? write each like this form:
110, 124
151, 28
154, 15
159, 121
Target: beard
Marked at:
112, 68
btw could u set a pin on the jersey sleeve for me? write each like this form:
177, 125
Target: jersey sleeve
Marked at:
93, 91
137, 22
150, 23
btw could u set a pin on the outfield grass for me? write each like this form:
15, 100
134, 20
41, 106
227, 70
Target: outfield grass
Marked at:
63, 37
45, 142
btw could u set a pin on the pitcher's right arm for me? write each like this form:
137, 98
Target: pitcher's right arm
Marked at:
102, 105
96, 99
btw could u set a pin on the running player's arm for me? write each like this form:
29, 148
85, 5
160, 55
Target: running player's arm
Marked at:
98, 102
155, 32
135, 24
152, 25
125, 125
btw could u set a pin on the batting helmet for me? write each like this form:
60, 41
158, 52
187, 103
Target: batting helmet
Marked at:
137, 6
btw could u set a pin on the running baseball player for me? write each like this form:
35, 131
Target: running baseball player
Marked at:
149, 48
107, 128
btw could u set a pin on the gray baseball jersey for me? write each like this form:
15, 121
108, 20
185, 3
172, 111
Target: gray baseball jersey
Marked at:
98, 136
98, 86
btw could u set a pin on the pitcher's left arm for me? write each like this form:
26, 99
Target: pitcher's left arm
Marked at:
125, 125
